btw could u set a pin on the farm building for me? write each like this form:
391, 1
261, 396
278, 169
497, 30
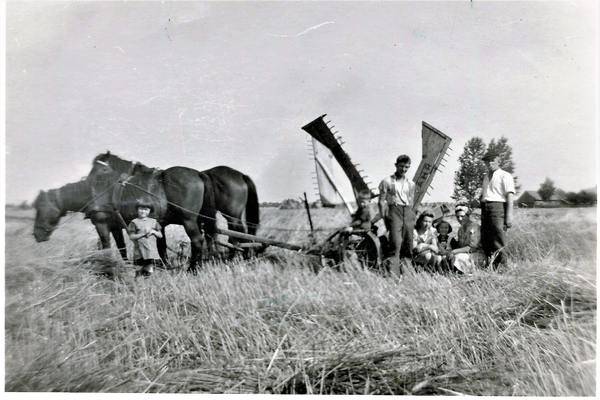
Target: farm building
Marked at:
531, 198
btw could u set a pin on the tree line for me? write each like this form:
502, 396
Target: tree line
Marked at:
584, 197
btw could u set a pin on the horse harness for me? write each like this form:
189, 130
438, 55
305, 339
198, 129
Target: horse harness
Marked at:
116, 197
58, 206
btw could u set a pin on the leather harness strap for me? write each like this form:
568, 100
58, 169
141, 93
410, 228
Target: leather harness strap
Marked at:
52, 205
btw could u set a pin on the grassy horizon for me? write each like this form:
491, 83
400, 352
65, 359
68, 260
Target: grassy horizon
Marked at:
270, 325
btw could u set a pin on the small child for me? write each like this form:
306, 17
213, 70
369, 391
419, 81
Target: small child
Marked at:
143, 231
445, 242
363, 217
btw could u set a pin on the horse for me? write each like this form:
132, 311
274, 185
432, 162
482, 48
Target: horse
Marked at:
185, 197
52, 205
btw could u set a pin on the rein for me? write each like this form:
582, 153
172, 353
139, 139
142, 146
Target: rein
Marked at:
214, 219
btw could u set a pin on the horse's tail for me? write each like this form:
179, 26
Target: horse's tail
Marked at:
208, 212
252, 207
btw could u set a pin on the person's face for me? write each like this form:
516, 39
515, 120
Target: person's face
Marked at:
363, 203
143, 212
493, 164
402, 168
427, 222
443, 229
462, 217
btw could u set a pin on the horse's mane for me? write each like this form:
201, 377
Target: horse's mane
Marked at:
118, 164
70, 193
73, 190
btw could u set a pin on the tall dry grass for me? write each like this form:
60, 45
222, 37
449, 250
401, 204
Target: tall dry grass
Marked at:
271, 325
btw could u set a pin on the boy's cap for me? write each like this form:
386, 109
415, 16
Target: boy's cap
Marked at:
490, 155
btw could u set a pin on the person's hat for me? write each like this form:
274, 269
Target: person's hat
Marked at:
465, 209
490, 155
364, 195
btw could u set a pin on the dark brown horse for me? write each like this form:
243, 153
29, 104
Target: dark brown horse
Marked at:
52, 205
180, 195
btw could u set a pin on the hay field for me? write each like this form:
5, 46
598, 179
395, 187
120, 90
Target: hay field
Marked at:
271, 325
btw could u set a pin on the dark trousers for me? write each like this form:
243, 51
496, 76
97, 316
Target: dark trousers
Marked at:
142, 262
400, 223
493, 236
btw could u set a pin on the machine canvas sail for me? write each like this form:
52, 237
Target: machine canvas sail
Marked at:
329, 190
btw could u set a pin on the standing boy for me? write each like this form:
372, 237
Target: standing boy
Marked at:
396, 197
496, 208
143, 231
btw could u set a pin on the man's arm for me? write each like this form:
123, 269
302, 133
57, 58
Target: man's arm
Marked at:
381, 203
508, 213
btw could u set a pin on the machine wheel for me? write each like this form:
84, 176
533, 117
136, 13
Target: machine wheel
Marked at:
367, 250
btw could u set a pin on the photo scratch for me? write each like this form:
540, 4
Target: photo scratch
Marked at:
150, 99
303, 32
117, 47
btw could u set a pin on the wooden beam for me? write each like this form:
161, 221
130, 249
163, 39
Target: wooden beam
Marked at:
270, 242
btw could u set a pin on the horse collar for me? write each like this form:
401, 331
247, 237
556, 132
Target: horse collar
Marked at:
52, 205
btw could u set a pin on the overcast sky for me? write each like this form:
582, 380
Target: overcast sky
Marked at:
201, 84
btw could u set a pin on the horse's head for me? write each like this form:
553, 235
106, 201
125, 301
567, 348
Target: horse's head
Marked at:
104, 168
47, 217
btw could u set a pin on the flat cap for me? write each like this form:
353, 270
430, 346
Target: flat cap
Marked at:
491, 154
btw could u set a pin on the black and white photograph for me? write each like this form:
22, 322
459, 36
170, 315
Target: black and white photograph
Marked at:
301, 197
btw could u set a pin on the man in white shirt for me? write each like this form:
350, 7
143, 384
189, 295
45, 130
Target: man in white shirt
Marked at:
496, 208
396, 197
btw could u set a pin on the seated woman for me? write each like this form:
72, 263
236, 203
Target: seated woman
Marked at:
468, 253
425, 245
445, 243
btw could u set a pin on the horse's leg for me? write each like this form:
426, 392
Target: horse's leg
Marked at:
161, 243
100, 221
209, 227
236, 224
185, 189
120, 241
192, 229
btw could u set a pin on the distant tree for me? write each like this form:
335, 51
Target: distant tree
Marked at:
586, 197
547, 189
506, 161
571, 197
583, 197
469, 177
25, 206
291, 204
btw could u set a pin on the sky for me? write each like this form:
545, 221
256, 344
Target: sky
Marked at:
201, 84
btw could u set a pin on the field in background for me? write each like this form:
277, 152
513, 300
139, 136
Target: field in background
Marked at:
270, 325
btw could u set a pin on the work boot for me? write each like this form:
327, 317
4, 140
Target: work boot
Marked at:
394, 264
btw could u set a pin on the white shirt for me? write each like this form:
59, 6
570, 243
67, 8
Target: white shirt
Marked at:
496, 189
400, 192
